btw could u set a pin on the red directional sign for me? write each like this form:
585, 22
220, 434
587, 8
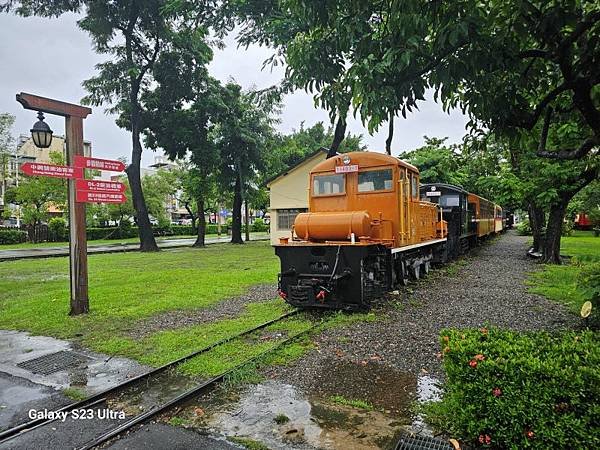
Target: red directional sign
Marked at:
52, 170
99, 197
99, 186
99, 164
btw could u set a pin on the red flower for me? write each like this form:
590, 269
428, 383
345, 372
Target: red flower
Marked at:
473, 363
479, 357
530, 434
446, 349
446, 338
496, 392
484, 331
485, 439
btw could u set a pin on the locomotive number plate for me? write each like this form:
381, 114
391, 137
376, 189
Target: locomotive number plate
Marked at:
346, 169
433, 194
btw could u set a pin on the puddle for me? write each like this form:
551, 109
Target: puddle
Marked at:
154, 392
99, 372
307, 422
281, 417
383, 387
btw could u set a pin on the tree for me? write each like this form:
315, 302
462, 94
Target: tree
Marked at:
241, 137
134, 33
438, 162
35, 194
6, 145
159, 189
182, 112
288, 150
509, 64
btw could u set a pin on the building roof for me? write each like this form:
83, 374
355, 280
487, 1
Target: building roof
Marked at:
299, 163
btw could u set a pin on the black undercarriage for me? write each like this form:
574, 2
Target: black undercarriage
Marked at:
348, 277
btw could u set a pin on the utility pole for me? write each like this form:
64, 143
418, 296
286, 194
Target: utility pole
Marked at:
74, 115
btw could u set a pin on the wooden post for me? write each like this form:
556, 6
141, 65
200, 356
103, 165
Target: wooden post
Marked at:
77, 233
74, 115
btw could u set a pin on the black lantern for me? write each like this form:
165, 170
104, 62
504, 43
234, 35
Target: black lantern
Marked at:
41, 132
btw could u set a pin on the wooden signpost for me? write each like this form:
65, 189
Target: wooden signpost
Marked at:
80, 191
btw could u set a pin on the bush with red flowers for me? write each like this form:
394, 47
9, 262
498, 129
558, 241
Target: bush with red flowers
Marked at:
506, 389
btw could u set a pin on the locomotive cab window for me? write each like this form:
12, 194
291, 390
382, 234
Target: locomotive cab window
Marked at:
329, 184
375, 180
414, 183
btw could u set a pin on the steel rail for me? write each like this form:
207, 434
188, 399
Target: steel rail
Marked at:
183, 396
18, 430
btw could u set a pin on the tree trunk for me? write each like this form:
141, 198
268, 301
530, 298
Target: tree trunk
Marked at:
247, 221
236, 225
537, 224
147, 241
554, 230
388, 141
200, 240
338, 136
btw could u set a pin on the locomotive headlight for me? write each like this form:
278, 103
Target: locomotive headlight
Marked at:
346, 159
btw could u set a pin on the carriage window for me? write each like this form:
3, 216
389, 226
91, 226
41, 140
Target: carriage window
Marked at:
328, 184
450, 201
375, 180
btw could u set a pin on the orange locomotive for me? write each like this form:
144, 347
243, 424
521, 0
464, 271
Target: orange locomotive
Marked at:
367, 232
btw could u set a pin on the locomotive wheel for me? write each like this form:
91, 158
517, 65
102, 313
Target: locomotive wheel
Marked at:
426, 267
415, 271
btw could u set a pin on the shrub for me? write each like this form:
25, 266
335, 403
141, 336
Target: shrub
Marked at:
12, 236
566, 228
510, 390
588, 282
57, 229
259, 225
523, 228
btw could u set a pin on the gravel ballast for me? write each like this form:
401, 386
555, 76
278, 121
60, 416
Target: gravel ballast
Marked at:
486, 288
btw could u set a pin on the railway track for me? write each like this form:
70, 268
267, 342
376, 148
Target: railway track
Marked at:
12, 435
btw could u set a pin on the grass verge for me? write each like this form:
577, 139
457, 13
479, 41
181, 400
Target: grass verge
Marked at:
559, 283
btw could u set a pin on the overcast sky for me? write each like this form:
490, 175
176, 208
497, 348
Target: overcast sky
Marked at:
51, 57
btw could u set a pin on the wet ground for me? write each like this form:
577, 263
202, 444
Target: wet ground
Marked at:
369, 410
22, 389
63, 250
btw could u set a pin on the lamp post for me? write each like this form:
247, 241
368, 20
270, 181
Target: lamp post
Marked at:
42, 136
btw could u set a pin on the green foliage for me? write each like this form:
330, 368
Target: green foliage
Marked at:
588, 282
437, 162
12, 236
74, 394
281, 419
514, 390
524, 228
359, 404
57, 227
35, 194
259, 225
248, 443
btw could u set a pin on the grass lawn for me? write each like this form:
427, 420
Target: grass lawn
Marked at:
128, 287
559, 283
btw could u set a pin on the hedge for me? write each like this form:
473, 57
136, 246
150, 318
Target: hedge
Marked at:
506, 389
12, 236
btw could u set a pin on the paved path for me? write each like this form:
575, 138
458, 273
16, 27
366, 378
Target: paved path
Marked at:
63, 250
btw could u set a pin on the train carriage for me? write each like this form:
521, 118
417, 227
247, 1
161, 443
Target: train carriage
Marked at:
367, 231
483, 215
457, 212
